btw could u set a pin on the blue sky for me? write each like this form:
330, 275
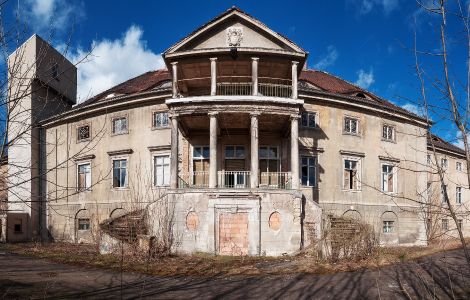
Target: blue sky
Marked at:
363, 41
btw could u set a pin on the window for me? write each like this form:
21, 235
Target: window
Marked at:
18, 227
351, 125
388, 178
161, 170
83, 224
55, 71
458, 166
443, 189
120, 125
445, 224
429, 159
388, 226
309, 119
160, 120
388, 133
459, 224
120, 173
350, 174
84, 177
444, 163
234, 152
269, 166
458, 195
83, 132
309, 170
201, 165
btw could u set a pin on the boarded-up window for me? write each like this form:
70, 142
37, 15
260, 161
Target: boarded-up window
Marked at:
388, 178
350, 175
84, 177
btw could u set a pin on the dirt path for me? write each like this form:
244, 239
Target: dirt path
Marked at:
441, 276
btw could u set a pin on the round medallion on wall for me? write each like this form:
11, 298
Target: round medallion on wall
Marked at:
192, 221
275, 221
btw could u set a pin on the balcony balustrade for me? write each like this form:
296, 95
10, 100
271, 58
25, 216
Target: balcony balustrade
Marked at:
246, 89
236, 180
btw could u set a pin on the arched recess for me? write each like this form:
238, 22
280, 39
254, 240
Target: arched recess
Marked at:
80, 214
352, 214
117, 212
389, 228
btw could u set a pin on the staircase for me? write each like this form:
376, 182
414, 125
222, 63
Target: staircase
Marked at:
126, 228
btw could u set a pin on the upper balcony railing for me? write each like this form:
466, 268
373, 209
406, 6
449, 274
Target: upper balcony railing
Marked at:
246, 89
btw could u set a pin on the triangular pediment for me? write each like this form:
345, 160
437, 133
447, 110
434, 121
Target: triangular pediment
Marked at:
234, 28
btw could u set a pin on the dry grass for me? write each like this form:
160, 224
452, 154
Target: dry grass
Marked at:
209, 265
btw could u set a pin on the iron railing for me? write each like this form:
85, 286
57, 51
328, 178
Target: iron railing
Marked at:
196, 179
246, 89
234, 179
275, 180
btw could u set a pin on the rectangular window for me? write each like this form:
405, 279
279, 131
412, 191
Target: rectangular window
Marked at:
234, 152
351, 175
161, 170
444, 163
309, 170
84, 177
445, 224
351, 125
459, 224
18, 227
458, 195
388, 226
120, 173
269, 166
83, 132
429, 159
308, 119
160, 120
388, 178
458, 166
443, 197
388, 133
120, 125
83, 224
201, 165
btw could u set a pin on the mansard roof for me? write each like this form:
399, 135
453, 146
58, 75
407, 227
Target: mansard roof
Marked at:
441, 144
226, 19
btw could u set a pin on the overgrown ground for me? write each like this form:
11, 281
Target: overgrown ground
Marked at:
209, 265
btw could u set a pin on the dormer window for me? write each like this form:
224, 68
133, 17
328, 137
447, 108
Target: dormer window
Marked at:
55, 71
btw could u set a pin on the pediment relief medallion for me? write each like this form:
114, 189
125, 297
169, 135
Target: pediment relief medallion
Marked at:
234, 36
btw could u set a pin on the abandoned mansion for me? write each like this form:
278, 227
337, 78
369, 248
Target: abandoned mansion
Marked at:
236, 147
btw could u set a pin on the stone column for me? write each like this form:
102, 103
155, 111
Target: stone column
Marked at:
254, 75
294, 79
294, 154
213, 151
174, 66
254, 170
174, 153
213, 76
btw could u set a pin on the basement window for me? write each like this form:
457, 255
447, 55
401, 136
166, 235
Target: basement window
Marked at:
18, 226
388, 226
83, 224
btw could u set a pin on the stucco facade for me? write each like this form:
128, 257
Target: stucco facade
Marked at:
238, 148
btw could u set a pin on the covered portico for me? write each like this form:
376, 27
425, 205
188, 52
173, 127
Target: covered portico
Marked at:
217, 135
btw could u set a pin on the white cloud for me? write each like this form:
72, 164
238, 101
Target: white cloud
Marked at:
459, 140
52, 15
366, 6
413, 108
113, 61
365, 79
329, 59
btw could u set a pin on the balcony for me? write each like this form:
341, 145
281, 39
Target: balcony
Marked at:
246, 89
235, 180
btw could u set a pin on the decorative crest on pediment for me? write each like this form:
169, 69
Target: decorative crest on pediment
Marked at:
234, 36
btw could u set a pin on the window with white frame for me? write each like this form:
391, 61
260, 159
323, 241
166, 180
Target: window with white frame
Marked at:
458, 166
443, 191
458, 195
388, 226
388, 133
83, 224
445, 224
83, 176
201, 165
160, 120
351, 174
309, 170
161, 165
351, 125
308, 119
444, 163
120, 125
83, 132
388, 178
120, 173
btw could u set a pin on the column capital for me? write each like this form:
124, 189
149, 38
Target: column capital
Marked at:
173, 115
294, 117
213, 113
295, 62
213, 58
255, 114
255, 58
174, 63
